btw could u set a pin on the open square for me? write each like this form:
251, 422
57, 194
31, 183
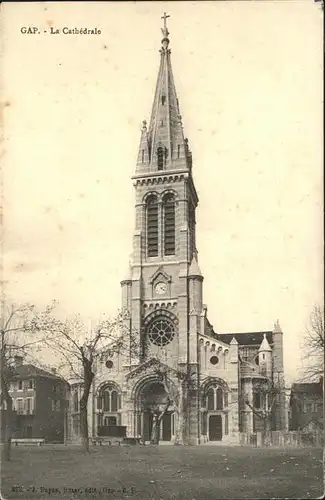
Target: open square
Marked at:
163, 472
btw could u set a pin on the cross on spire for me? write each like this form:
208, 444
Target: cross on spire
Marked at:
164, 17
164, 30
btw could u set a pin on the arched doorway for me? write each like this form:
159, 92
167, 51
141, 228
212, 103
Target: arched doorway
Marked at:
214, 410
155, 404
215, 428
156, 413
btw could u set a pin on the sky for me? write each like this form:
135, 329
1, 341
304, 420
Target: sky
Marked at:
249, 79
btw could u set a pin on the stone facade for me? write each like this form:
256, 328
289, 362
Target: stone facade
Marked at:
171, 351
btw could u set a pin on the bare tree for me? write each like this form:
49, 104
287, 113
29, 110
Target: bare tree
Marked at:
267, 393
313, 346
78, 349
177, 395
22, 331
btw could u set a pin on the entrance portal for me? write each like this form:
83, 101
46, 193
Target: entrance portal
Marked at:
154, 401
215, 428
165, 426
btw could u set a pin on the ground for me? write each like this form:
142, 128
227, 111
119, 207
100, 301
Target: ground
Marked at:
163, 472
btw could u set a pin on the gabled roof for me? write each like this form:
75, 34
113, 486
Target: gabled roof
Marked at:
246, 338
29, 370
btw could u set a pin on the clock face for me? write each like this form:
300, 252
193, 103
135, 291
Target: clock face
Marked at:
161, 288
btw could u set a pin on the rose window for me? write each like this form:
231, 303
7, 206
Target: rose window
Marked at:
161, 332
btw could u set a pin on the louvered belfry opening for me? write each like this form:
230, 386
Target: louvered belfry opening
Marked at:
152, 226
169, 225
160, 158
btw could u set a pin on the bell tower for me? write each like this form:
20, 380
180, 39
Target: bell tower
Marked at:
162, 289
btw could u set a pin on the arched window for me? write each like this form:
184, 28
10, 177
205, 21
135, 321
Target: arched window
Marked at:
109, 399
210, 399
160, 158
219, 399
114, 401
107, 406
169, 224
152, 226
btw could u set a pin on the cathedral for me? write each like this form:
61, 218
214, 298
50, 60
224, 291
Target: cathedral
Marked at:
170, 366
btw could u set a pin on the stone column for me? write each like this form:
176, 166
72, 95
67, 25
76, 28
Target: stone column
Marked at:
247, 412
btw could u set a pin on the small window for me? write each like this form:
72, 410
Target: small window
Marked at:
163, 99
263, 356
210, 399
257, 400
20, 385
31, 384
214, 360
178, 150
160, 158
219, 399
29, 405
142, 159
109, 364
20, 405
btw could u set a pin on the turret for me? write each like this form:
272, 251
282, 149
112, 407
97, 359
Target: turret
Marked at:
265, 358
277, 335
233, 351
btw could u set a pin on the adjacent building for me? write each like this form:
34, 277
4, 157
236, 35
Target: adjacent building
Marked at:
218, 384
39, 402
306, 406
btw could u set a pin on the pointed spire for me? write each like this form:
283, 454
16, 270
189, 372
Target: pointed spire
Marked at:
194, 270
162, 145
265, 346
